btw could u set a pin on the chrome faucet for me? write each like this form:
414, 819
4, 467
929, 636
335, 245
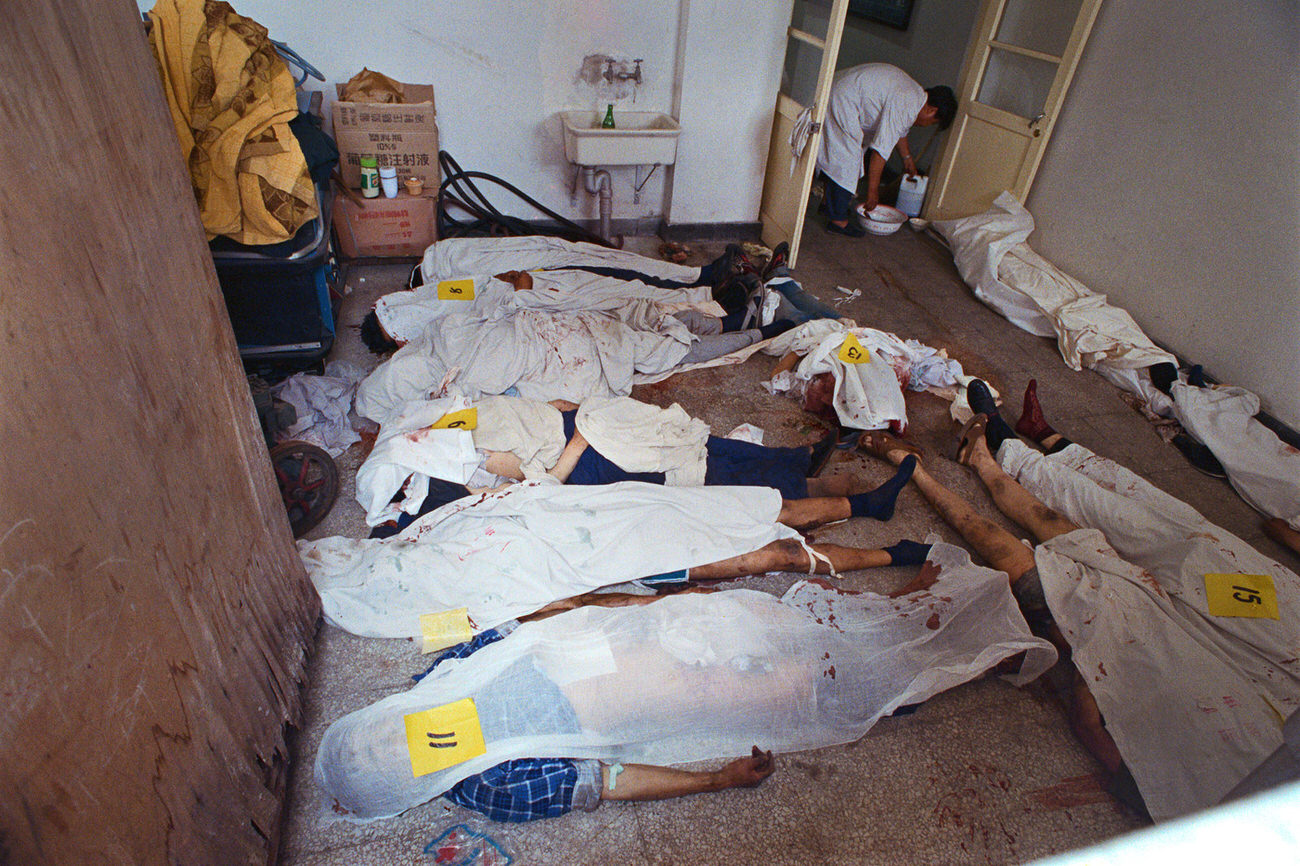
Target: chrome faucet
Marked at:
611, 76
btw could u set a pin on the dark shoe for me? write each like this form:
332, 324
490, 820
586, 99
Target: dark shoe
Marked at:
1200, 456
821, 451
849, 229
980, 398
780, 257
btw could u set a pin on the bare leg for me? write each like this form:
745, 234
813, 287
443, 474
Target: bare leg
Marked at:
809, 513
789, 555
1280, 531
647, 782
834, 486
1015, 501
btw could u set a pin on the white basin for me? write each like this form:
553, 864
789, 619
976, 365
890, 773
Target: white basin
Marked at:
641, 138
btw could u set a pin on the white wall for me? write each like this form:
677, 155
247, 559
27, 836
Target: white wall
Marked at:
1171, 183
502, 71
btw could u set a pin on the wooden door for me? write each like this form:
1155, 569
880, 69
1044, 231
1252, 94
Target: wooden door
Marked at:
1022, 56
155, 618
812, 46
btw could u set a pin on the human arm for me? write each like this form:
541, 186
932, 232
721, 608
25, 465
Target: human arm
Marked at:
788, 362
647, 782
563, 467
875, 167
905, 151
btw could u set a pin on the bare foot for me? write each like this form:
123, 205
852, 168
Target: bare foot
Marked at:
747, 772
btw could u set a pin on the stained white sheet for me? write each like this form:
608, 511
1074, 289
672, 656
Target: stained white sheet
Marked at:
459, 257
690, 677
995, 261
1260, 466
1194, 701
639, 437
543, 355
509, 553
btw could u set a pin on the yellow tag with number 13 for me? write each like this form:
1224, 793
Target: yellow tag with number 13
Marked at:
464, 419
853, 352
1250, 595
456, 290
443, 737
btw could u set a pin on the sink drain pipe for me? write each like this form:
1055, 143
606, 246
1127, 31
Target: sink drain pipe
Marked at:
600, 182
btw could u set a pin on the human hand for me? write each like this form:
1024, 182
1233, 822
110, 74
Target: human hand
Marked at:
871, 202
909, 166
748, 772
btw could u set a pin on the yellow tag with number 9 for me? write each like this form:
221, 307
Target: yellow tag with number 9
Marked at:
456, 290
853, 352
443, 737
464, 419
1241, 595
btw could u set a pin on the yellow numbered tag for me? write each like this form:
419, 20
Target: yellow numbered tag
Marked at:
443, 737
444, 629
456, 290
464, 419
1241, 595
853, 352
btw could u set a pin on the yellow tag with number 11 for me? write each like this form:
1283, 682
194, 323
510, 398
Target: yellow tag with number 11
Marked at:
464, 419
853, 352
456, 290
443, 737
1250, 595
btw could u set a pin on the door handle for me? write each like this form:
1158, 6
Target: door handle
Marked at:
1033, 124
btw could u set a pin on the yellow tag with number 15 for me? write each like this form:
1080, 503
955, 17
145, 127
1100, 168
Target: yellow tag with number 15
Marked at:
464, 419
443, 737
853, 352
1250, 595
456, 290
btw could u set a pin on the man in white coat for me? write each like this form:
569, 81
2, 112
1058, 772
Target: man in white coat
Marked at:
871, 108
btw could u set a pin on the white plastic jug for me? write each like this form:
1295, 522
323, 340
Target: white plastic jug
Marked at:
911, 194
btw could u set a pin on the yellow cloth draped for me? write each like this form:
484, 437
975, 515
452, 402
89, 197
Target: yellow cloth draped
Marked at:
231, 97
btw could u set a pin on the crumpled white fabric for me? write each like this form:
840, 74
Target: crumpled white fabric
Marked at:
639, 437
507, 553
1194, 701
867, 396
404, 315
323, 404
995, 261
407, 453
1262, 468
799, 135
690, 677
460, 257
543, 355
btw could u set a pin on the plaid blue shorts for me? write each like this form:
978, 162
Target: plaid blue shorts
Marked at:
523, 789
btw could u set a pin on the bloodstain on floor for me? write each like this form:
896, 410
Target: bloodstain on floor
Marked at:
1075, 791
933, 622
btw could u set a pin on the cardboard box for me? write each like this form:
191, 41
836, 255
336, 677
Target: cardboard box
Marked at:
403, 135
399, 227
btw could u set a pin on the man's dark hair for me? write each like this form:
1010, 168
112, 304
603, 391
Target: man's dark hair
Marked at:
941, 97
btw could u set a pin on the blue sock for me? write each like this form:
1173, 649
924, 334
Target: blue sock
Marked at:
879, 503
907, 552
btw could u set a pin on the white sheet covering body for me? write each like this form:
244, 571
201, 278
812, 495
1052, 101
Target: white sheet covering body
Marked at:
508, 553
867, 396
404, 315
995, 261
1260, 466
690, 677
871, 107
635, 436
544, 355
1194, 701
458, 257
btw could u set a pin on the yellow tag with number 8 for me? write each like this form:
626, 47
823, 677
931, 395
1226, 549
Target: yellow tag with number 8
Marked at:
464, 419
1250, 595
456, 290
443, 737
853, 352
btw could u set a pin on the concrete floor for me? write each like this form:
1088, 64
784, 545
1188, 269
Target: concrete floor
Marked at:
984, 773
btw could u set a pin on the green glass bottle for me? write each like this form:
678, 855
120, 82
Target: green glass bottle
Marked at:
608, 122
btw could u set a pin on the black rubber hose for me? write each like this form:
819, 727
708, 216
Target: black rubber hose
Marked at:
486, 218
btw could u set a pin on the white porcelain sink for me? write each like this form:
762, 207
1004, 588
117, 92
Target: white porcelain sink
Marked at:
640, 138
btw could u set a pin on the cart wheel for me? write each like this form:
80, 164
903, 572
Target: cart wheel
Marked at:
309, 483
